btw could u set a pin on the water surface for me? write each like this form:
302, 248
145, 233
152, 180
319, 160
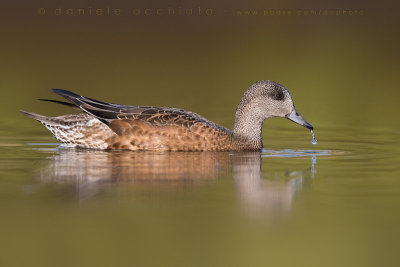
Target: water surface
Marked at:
305, 202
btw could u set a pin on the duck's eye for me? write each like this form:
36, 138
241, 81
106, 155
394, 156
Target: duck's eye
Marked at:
277, 95
297, 114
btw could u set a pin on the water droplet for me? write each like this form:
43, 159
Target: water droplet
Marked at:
313, 141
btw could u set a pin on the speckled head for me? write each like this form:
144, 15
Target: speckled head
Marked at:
268, 99
263, 100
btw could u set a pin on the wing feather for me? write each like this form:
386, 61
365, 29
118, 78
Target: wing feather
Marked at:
107, 112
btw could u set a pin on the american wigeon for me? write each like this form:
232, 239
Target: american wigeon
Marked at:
112, 126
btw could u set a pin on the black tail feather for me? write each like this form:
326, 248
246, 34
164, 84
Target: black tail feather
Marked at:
79, 100
101, 110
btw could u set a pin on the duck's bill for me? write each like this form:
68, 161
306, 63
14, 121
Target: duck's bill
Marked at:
297, 118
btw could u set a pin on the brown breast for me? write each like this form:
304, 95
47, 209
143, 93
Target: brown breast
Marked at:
140, 135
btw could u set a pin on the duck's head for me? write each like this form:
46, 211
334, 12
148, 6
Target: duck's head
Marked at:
267, 99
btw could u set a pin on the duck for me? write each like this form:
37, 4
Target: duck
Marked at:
109, 126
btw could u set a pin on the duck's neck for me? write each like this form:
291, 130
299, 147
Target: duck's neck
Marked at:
247, 130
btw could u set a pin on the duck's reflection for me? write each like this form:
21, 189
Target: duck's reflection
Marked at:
273, 194
80, 165
87, 169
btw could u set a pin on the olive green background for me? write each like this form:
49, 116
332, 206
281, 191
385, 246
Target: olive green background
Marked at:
340, 69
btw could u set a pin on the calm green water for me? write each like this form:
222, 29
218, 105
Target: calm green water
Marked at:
334, 204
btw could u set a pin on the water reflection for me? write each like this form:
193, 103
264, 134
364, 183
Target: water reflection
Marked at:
271, 195
257, 190
80, 165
